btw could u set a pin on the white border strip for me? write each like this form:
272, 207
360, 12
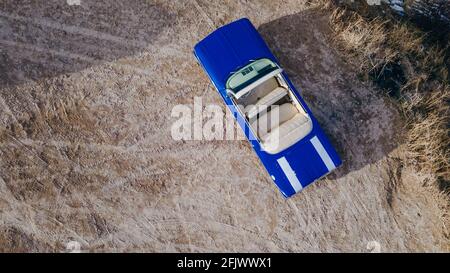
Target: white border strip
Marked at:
290, 174
323, 153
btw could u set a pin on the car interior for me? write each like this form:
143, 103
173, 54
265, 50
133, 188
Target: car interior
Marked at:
274, 114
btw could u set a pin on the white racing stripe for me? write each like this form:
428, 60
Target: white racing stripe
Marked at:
290, 174
323, 153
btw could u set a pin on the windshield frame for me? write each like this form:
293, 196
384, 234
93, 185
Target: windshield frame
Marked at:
247, 69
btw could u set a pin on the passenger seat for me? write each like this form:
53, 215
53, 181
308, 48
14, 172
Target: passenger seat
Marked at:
266, 101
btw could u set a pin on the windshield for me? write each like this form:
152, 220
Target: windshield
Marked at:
249, 74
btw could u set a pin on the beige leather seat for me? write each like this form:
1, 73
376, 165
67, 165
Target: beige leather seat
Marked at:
277, 135
266, 101
268, 121
259, 92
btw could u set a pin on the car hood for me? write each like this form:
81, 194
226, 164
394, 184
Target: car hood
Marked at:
230, 47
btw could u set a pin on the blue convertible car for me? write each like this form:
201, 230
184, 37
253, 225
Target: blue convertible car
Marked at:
276, 120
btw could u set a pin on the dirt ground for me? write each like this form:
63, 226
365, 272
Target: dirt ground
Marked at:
86, 153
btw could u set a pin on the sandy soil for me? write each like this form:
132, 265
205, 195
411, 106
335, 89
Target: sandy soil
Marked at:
86, 153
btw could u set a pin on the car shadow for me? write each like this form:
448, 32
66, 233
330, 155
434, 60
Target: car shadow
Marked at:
362, 124
47, 39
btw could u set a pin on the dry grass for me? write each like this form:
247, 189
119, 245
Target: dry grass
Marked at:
406, 40
378, 42
428, 140
361, 39
372, 44
433, 61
